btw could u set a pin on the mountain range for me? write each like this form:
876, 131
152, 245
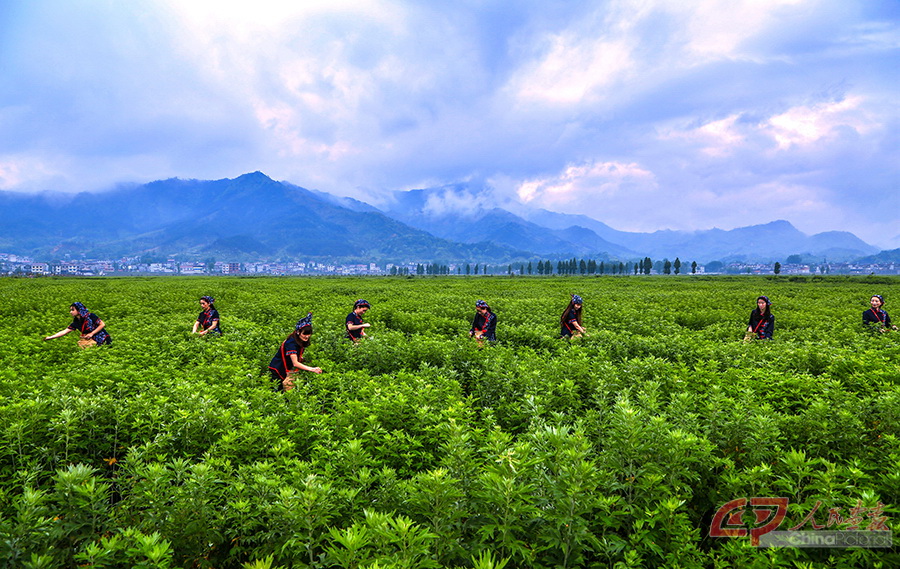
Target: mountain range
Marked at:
253, 217
454, 212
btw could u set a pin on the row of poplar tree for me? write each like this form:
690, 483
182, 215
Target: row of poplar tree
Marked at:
571, 266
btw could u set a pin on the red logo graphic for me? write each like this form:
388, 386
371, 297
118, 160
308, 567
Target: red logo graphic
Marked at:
728, 523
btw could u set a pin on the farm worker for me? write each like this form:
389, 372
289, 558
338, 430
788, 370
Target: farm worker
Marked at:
289, 357
876, 316
570, 321
208, 321
355, 324
484, 325
762, 321
93, 332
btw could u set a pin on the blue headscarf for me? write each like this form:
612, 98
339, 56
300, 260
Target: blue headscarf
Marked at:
879, 297
576, 299
481, 304
766, 298
82, 310
208, 299
361, 302
304, 322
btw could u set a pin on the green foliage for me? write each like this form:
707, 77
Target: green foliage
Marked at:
420, 448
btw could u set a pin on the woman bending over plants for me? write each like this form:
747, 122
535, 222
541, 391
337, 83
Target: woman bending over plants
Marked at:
92, 328
484, 325
876, 318
355, 324
289, 358
570, 321
208, 321
762, 322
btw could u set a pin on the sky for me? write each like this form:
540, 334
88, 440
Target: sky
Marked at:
643, 114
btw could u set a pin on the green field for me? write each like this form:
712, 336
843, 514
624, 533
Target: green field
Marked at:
417, 448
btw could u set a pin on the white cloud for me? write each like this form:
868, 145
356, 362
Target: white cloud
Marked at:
616, 48
244, 21
573, 70
797, 127
26, 171
717, 29
716, 138
592, 179
452, 200
807, 124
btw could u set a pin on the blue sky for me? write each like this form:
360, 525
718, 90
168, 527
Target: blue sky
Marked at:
643, 114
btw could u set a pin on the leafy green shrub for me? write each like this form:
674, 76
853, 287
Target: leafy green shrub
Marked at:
419, 447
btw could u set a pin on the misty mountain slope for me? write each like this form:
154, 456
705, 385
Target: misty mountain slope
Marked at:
459, 213
254, 217
839, 240
591, 241
887, 256
555, 220
494, 226
249, 216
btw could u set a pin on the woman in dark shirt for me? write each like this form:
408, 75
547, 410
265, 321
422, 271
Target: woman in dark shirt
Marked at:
762, 321
208, 321
354, 323
484, 325
92, 328
876, 317
289, 357
570, 321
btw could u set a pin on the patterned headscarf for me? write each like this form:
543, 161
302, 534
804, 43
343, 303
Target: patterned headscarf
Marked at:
208, 299
766, 298
576, 299
481, 304
82, 311
361, 302
879, 297
88, 325
304, 322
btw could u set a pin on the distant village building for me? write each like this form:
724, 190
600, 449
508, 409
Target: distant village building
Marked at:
68, 268
793, 269
161, 267
38, 268
100, 267
192, 268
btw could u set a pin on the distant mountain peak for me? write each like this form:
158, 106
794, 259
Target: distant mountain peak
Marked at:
779, 224
256, 176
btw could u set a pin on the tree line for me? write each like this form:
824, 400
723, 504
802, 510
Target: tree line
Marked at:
573, 266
